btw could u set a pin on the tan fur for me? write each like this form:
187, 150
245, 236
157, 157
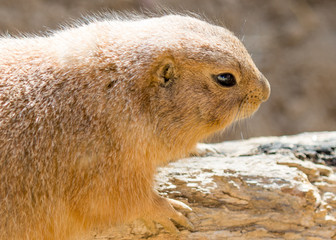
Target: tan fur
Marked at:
85, 118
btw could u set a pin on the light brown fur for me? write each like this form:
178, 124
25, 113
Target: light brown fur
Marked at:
86, 117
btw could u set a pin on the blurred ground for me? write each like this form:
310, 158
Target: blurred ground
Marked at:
293, 42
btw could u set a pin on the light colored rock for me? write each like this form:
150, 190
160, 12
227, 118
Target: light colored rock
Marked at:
253, 189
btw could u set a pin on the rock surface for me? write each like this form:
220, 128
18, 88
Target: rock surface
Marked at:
262, 188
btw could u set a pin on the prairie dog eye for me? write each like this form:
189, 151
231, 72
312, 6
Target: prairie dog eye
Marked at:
225, 79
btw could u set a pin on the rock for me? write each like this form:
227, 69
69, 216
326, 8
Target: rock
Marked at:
262, 188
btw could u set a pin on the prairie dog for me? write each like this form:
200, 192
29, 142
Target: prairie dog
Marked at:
88, 113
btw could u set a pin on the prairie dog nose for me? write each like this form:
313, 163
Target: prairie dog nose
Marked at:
266, 89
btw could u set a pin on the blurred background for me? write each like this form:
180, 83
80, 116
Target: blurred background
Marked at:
293, 42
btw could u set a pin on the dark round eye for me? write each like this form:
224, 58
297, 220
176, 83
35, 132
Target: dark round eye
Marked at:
225, 79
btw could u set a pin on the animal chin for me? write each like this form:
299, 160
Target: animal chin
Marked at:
248, 110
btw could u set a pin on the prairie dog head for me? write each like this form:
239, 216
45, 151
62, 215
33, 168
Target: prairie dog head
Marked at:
193, 78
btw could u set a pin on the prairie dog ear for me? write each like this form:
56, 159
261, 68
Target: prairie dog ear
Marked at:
166, 72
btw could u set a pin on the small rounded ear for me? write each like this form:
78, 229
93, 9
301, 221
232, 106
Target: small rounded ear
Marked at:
166, 71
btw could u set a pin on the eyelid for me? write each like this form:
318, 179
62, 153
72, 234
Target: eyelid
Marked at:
235, 72
222, 82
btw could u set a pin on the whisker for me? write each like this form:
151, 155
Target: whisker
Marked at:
233, 128
240, 108
242, 114
238, 116
241, 135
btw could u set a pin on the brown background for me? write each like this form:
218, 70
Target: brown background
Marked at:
293, 42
